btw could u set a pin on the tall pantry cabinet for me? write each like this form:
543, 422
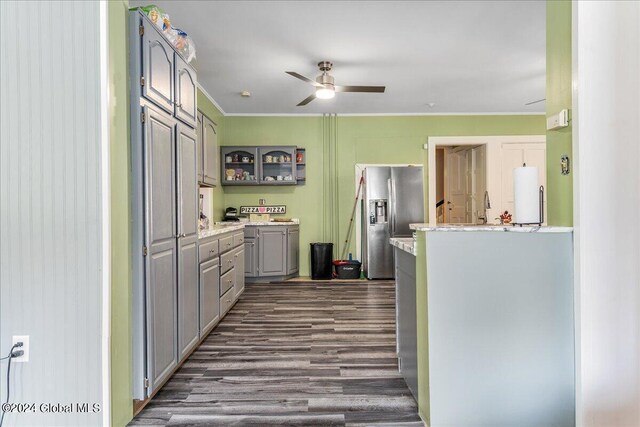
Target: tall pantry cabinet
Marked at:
164, 163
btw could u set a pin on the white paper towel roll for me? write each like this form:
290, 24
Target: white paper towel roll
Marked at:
526, 195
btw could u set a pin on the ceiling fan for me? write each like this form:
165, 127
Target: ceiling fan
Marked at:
325, 87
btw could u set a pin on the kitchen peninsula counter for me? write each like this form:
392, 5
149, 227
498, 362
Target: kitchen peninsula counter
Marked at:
495, 325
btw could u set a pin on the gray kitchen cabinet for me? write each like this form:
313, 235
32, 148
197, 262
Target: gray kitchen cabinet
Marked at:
160, 246
272, 251
251, 257
156, 79
199, 119
277, 165
164, 206
293, 249
185, 96
239, 268
187, 208
210, 152
405, 268
209, 295
262, 165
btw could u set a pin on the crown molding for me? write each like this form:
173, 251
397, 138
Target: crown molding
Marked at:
519, 113
210, 98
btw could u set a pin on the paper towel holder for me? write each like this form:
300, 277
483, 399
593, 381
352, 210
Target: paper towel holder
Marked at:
541, 204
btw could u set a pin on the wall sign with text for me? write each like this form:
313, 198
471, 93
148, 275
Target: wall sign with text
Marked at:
263, 209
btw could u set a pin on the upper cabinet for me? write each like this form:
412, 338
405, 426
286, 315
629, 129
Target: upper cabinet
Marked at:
208, 165
239, 165
165, 77
263, 165
185, 97
157, 68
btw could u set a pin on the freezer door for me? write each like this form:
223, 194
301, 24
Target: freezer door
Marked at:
379, 253
406, 200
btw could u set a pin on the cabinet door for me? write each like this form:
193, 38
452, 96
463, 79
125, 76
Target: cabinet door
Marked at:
187, 209
277, 165
251, 258
187, 182
157, 69
210, 149
209, 295
188, 325
199, 152
293, 249
272, 257
185, 96
161, 260
239, 268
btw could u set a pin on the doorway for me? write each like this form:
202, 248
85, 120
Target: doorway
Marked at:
461, 184
471, 177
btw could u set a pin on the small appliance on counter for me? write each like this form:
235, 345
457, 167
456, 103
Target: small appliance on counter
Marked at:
231, 214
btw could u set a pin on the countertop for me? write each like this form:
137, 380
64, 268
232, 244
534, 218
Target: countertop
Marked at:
294, 221
218, 228
407, 244
499, 228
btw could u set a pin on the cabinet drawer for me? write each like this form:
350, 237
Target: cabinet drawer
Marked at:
226, 243
227, 281
238, 239
227, 262
250, 232
226, 301
208, 250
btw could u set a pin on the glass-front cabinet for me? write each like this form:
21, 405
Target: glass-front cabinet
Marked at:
240, 165
278, 165
263, 165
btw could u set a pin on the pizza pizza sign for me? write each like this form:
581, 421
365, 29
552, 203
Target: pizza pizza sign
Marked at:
263, 209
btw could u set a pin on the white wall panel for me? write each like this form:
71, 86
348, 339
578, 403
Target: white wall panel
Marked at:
606, 66
50, 205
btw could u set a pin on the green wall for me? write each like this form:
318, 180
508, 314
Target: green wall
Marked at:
559, 187
334, 145
121, 331
303, 201
210, 110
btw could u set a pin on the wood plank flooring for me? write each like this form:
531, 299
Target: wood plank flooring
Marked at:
294, 354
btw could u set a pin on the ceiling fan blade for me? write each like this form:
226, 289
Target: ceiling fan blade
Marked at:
307, 100
303, 78
373, 89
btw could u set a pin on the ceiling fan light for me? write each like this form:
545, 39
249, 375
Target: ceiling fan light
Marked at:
325, 93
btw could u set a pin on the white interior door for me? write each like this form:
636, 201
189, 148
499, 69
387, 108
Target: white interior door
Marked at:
456, 178
478, 175
514, 156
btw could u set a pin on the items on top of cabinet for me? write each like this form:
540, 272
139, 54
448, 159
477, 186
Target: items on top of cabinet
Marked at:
182, 42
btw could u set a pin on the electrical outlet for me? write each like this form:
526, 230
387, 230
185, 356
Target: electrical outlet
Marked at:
24, 339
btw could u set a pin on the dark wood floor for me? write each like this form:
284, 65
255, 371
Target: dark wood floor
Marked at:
294, 354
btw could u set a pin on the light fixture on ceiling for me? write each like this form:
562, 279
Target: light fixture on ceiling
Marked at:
325, 93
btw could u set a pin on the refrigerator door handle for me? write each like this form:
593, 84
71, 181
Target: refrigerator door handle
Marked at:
392, 207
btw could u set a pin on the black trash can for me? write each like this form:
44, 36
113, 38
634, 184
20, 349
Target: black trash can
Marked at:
321, 261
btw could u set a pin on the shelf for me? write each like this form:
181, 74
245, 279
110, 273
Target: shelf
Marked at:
239, 163
275, 163
300, 164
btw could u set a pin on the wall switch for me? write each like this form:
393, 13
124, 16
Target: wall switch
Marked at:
24, 339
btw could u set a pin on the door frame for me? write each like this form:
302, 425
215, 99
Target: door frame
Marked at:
493, 143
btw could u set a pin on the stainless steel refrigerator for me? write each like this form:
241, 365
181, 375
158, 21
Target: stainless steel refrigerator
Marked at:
393, 199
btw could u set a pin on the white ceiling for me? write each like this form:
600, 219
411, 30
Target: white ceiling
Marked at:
463, 56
